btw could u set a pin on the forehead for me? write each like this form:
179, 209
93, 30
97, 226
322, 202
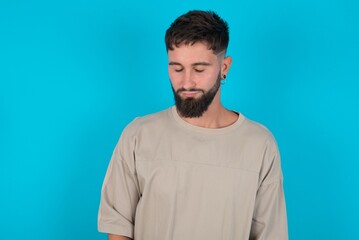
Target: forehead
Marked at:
191, 53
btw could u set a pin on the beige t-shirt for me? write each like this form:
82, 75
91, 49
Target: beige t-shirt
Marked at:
170, 180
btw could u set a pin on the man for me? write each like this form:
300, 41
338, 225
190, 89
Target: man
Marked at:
196, 170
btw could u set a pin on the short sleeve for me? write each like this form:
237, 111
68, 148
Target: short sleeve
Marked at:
120, 191
270, 219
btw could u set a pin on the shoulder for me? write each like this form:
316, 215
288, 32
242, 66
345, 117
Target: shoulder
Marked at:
256, 131
261, 142
151, 121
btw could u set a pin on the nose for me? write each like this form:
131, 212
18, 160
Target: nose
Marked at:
188, 81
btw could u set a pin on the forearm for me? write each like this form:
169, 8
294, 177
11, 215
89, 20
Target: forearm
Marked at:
116, 237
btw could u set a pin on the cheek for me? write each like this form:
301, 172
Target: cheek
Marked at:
210, 80
174, 78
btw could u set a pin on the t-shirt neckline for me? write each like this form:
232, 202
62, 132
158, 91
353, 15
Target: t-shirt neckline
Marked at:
191, 127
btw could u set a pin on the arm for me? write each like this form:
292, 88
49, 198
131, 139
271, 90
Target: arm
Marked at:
120, 190
269, 220
117, 237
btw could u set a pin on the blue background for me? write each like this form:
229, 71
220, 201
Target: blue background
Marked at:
74, 73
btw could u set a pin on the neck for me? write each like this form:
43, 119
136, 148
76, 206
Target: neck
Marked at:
216, 116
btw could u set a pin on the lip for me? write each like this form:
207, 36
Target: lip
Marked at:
189, 94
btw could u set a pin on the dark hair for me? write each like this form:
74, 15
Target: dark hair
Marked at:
198, 26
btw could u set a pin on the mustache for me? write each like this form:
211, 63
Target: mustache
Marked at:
191, 90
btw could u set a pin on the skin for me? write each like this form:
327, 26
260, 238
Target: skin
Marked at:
197, 67
116, 237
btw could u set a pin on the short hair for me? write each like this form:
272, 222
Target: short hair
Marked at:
198, 26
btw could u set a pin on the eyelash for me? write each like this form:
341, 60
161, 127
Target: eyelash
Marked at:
196, 70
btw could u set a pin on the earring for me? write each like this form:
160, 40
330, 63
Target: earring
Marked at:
223, 80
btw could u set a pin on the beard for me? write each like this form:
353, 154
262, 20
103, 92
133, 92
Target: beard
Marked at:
195, 107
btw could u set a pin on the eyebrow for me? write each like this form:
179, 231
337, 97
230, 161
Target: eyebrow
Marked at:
193, 64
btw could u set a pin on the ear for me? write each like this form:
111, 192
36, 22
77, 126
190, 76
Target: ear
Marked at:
226, 64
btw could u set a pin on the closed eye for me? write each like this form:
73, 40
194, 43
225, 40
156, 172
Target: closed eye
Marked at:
199, 70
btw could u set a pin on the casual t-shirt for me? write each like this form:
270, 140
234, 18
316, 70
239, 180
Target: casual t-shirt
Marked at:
171, 180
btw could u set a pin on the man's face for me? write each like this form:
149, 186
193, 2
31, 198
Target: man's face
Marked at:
195, 74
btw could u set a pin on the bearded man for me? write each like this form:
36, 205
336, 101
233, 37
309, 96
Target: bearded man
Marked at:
196, 170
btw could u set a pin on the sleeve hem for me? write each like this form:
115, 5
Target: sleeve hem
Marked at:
116, 230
